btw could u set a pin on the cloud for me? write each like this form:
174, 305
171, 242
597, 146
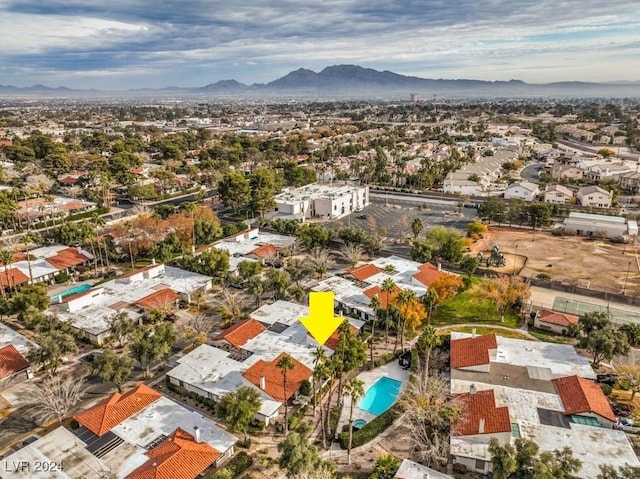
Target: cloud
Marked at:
123, 43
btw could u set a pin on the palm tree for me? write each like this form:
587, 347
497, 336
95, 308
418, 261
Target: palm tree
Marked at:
298, 269
406, 300
354, 388
428, 340
388, 287
375, 304
416, 227
319, 356
320, 372
26, 239
284, 364
321, 260
6, 257
430, 299
331, 367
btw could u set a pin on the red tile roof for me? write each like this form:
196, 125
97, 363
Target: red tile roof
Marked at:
107, 414
334, 339
265, 251
478, 406
66, 258
241, 332
365, 271
15, 277
472, 351
560, 319
164, 298
177, 457
273, 377
428, 274
382, 295
580, 395
11, 361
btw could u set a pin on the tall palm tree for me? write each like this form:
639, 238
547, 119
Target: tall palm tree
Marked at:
430, 299
285, 363
331, 367
428, 340
319, 356
416, 227
26, 239
257, 288
388, 287
406, 300
354, 388
375, 304
320, 372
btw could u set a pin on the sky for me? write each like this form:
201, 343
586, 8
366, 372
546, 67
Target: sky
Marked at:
122, 44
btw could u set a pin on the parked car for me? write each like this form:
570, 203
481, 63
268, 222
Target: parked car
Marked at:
621, 409
609, 379
362, 217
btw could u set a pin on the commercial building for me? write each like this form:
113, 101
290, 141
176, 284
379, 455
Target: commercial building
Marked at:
586, 224
321, 201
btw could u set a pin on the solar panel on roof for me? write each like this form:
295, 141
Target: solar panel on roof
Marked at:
99, 446
278, 327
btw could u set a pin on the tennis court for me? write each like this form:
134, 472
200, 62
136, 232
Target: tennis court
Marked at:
579, 308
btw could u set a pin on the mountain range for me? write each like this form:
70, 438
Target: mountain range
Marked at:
352, 81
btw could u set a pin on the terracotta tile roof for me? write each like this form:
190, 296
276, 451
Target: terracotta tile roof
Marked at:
107, 414
365, 271
560, 319
376, 290
166, 297
472, 351
428, 274
11, 361
15, 277
241, 332
177, 457
273, 377
334, 339
580, 395
265, 251
479, 406
66, 258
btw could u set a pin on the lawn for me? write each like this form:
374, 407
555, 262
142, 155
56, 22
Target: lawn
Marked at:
549, 337
470, 307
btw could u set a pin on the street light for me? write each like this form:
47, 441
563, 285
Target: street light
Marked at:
515, 259
624, 289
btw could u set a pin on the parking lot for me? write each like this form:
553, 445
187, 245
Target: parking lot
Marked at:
398, 214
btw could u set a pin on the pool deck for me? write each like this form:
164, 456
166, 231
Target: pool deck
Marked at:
391, 370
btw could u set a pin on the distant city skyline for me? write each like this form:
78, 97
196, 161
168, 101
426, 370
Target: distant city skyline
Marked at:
124, 44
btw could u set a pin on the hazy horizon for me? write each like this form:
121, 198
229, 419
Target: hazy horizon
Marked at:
140, 44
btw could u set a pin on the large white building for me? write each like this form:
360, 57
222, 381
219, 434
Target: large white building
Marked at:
321, 201
586, 224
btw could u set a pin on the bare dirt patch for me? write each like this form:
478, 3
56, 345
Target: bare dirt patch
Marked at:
577, 261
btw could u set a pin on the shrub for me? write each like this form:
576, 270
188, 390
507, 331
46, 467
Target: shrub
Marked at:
62, 277
305, 388
557, 232
460, 469
570, 232
606, 389
543, 277
245, 444
236, 466
370, 430
295, 418
617, 239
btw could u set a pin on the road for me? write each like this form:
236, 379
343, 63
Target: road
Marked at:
531, 172
621, 152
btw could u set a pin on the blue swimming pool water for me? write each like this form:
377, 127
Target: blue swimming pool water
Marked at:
359, 423
380, 396
68, 292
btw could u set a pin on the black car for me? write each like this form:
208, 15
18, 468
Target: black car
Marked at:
609, 379
362, 217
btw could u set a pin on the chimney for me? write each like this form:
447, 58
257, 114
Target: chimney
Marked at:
439, 266
196, 433
263, 383
153, 261
472, 389
481, 426
473, 333
60, 299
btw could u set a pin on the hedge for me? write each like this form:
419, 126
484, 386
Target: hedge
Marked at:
236, 466
370, 430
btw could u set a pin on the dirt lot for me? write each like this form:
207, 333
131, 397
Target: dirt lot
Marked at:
571, 260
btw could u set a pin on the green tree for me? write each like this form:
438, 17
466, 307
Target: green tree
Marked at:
152, 343
298, 270
388, 288
503, 459
284, 364
263, 190
623, 472
355, 389
605, 344
234, 190
301, 459
376, 305
416, 227
53, 346
427, 340
239, 408
385, 467
113, 367
421, 251
469, 264
278, 281
446, 243
249, 269
313, 236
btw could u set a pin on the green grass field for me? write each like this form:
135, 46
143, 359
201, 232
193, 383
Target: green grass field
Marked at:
470, 307
480, 330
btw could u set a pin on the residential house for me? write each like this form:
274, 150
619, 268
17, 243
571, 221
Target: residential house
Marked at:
154, 287
524, 190
629, 181
512, 388
594, 196
253, 245
36, 210
412, 470
13, 365
561, 171
557, 194
553, 321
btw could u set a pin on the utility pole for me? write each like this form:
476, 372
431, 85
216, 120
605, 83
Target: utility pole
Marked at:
515, 260
624, 289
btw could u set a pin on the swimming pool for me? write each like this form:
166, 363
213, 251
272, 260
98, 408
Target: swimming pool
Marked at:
359, 423
380, 396
68, 292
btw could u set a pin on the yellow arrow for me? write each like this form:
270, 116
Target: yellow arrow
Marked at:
321, 322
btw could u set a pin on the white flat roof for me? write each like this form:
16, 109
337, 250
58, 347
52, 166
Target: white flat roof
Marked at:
62, 451
246, 246
9, 336
412, 470
281, 311
163, 417
316, 191
346, 292
557, 360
